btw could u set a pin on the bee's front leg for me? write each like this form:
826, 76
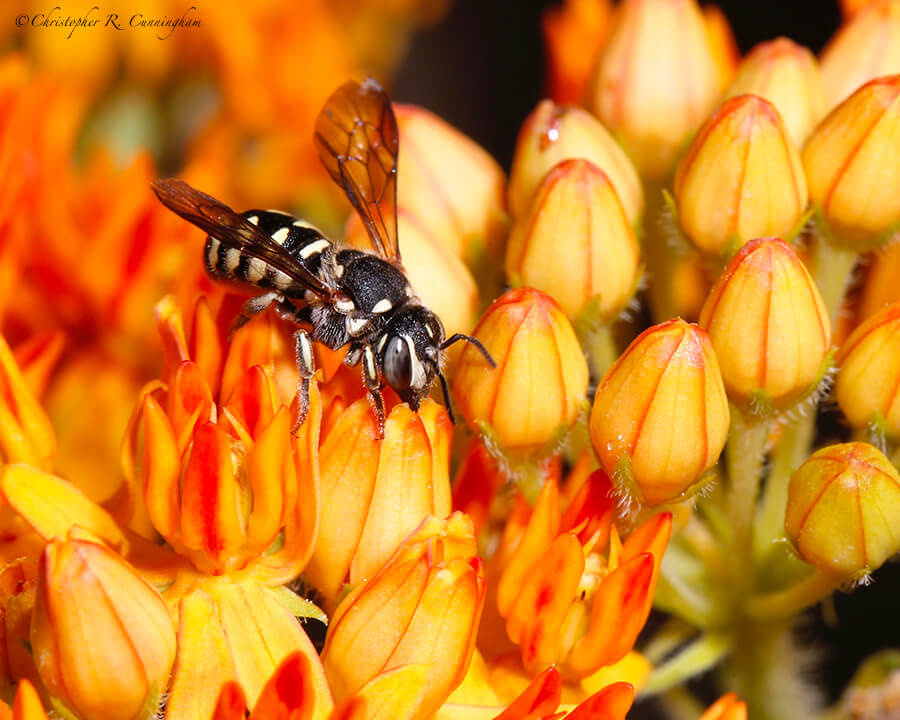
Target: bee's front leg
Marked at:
373, 385
253, 307
306, 367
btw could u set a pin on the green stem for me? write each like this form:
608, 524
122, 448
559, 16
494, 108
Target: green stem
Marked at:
745, 451
767, 673
789, 454
790, 601
601, 350
830, 266
701, 655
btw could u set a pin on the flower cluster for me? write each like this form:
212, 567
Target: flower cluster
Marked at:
665, 282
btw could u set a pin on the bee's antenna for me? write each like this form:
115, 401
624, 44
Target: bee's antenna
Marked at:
447, 401
474, 341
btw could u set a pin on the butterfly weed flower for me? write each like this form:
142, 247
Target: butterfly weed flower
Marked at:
528, 403
103, 639
656, 80
767, 323
852, 162
405, 637
863, 48
575, 243
786, 75
375, 492
842, 511
867, 383
660, 415
573, 595
553, 133
740, 178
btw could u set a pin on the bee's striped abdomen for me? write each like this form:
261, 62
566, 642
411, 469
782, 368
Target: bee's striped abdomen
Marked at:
298, 238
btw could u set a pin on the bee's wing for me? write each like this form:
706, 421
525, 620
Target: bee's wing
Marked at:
233, 230
356, 135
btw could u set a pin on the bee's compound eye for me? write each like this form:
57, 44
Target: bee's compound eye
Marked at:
397, 363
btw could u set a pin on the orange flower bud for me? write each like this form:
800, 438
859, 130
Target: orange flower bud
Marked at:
574, 33
419, 610
576, 244
721, 42
362, 479
865, 47
852, 162
843, 510
25, 431
538, 388
661, 408
553, 133
440, 278
451, 184
786, 75
869, 378
740, 178
17, 585
656, 81
103, 640
880, 287
768, 325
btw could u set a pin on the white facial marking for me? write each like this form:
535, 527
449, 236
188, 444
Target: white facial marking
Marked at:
356, 325
382, 342
253, 219
280, 235
256, 270
338, 270
382, 306
314, 248
418, 371
232, 259
429, 330
344, 305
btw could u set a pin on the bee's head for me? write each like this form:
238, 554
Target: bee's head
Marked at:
411, 353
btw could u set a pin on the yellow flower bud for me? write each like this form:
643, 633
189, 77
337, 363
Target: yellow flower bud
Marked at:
451, 184
660, 415
538, 388
576, 243
722, 42
103, 639
768, 325
869, 378
843, 510
740, 178
787, 75
656, 81
852, 161
553, 133
867, 46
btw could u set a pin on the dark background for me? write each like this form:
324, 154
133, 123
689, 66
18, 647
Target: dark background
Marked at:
482, 69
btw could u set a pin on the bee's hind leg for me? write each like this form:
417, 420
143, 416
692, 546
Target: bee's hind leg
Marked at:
253, 307
306, 367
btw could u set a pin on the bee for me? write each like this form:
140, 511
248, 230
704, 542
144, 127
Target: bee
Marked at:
336, 295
